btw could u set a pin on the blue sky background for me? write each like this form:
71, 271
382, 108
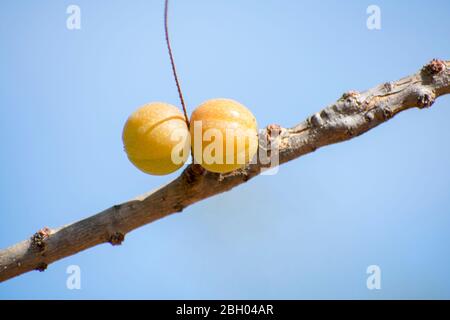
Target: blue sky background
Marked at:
308, 232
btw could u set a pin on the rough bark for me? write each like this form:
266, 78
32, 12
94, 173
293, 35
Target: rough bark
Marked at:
352, 115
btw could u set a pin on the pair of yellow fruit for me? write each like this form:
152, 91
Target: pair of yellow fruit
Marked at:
157, 139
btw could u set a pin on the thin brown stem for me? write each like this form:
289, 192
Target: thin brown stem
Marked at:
172, 62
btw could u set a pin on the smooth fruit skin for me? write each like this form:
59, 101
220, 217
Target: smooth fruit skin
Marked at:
224, 115
147, 137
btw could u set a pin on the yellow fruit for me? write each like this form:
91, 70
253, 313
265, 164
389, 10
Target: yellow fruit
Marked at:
224, 135
156, 138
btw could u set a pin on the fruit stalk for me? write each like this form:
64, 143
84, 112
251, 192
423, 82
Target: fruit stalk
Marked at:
172, 62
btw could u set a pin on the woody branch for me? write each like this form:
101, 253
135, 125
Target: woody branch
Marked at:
352, 115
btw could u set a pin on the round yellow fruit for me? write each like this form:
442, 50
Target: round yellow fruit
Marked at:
156, 138
224, 135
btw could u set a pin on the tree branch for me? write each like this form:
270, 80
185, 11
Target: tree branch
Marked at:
352, 115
